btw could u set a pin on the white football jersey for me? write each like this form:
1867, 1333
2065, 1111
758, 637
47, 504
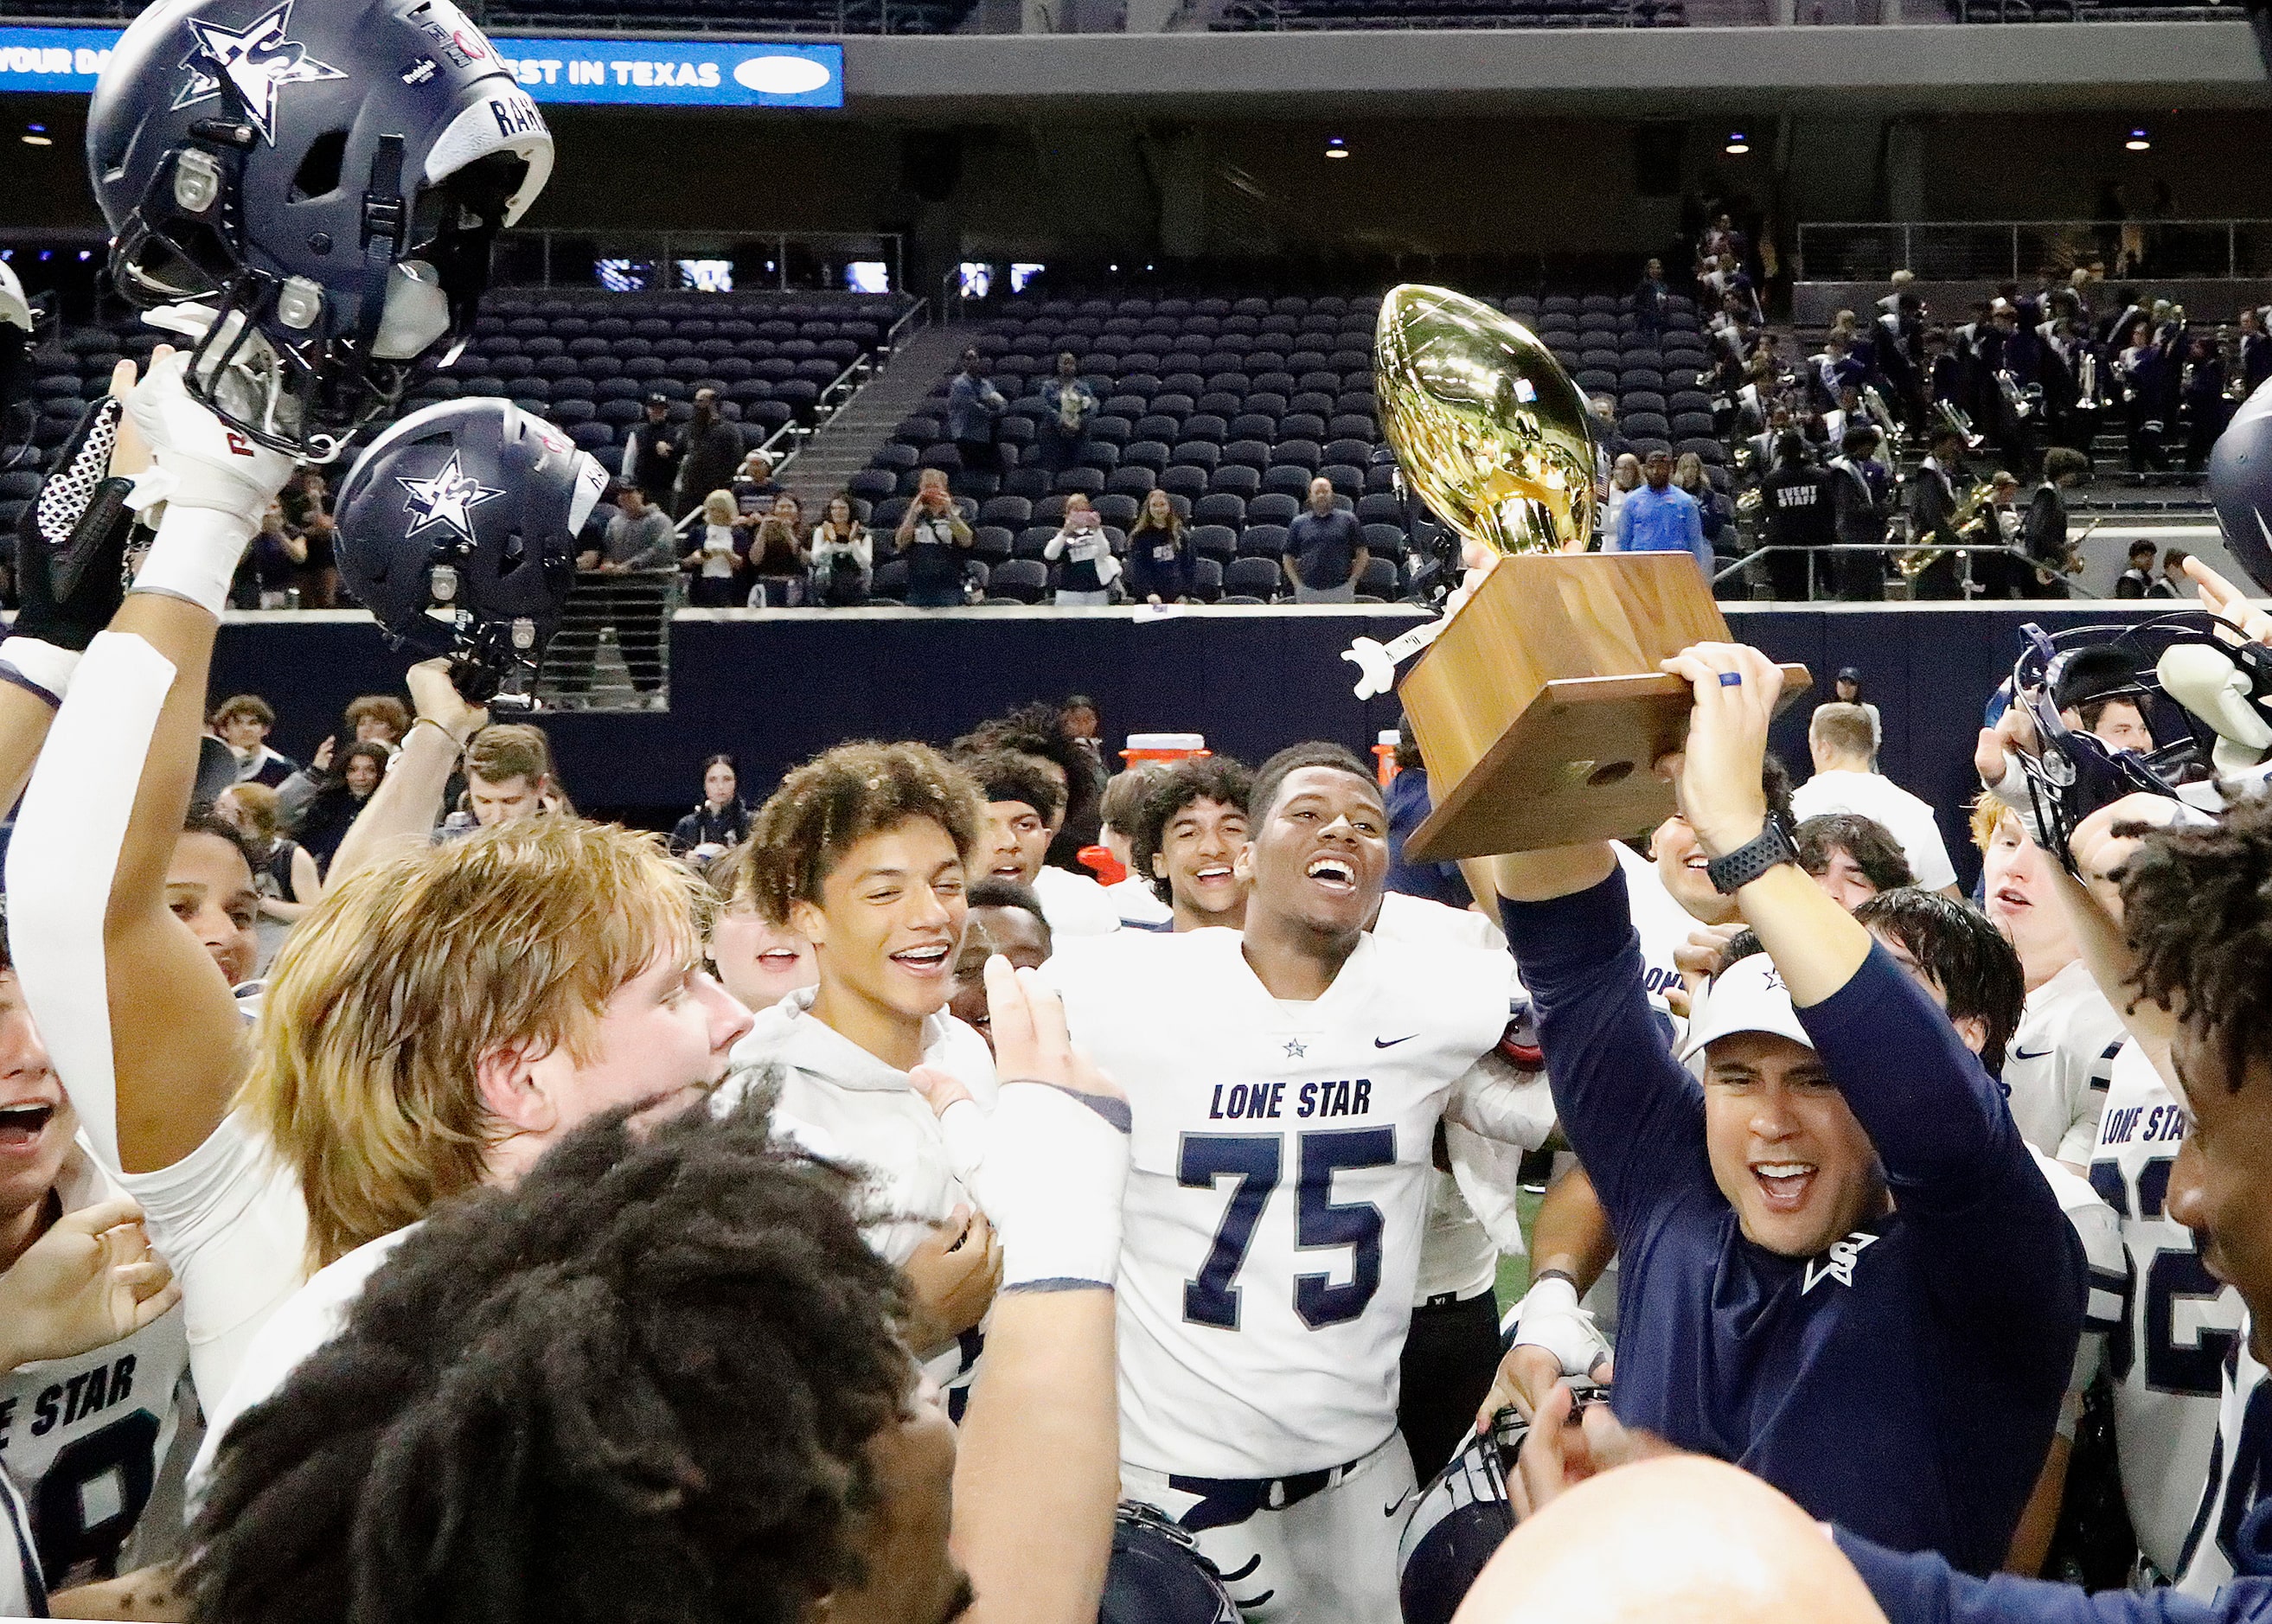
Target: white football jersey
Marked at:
840, 1101
2178, 1322
1278, 1187
85, 1439
2058, 1064
1074, 905
2240, 1470
1662, 924
2095, 1225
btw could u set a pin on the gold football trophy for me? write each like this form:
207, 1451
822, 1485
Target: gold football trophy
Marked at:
1538, 705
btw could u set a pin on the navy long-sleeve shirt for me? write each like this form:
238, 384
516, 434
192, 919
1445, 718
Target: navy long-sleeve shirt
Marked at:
1906, 1382
1924, 1589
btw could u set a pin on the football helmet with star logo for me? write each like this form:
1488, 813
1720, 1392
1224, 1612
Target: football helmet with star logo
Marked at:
457, 530
309, 189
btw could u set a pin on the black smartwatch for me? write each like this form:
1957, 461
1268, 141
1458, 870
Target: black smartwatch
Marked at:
1739, 868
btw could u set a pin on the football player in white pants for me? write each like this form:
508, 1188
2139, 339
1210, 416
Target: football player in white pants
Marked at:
1286, 1082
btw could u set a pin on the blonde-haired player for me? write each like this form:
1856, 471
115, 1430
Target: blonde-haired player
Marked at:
437, 999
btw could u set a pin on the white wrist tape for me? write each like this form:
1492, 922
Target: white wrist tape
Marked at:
1049, 1171
40, 665
196, 554
2012, 790
1550, 1318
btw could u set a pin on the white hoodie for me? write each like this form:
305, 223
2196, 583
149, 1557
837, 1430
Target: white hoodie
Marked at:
840, 1101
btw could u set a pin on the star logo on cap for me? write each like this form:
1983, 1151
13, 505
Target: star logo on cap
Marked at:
253, 62
448, 498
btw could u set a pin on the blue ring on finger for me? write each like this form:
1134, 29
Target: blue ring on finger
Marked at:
1731, 679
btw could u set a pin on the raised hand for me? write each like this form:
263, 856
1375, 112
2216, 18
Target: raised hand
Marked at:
435, 698
1717, 774
91, 1280
2226, 601
198, 460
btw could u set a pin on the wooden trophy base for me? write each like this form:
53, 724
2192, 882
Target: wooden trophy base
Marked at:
1541, 712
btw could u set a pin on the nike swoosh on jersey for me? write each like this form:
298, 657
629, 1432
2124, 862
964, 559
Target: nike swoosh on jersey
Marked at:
1390, 1043
2029, 1054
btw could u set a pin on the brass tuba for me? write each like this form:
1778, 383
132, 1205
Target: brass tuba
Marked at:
1971, 522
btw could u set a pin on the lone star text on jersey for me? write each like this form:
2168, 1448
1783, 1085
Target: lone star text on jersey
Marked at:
1269, 1101
65, 1402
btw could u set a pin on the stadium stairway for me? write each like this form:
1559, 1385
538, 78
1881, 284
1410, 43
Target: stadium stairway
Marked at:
844, 444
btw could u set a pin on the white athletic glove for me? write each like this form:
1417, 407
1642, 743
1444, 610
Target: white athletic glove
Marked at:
1048, 1165
216, 482
1550, 1318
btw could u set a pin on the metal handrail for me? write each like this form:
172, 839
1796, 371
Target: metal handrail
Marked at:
1880, 548
920, 316
2049, 238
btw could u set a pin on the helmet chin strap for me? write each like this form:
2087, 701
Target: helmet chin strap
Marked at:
384, 219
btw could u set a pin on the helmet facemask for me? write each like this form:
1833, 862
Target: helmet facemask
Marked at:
2072, 773
272, 355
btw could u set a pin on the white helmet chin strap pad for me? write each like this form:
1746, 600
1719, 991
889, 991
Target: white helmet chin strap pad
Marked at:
416, 313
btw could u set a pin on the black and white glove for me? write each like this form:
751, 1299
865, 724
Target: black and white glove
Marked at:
70, 557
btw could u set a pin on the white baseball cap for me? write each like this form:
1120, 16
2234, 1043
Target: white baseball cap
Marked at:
1747, 996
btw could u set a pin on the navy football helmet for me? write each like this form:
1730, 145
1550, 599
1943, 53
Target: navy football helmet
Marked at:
1158, 1576
2241, 485
457, 530
1463, 1516
324, 178
2184, 672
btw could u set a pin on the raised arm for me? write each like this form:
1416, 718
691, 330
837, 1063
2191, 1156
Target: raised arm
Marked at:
1952, 1159
407, 805
1814, 942
152, 1073
1038, 1472
2094, 909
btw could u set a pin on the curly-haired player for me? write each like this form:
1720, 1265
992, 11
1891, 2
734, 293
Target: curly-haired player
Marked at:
865, 851
1186, 839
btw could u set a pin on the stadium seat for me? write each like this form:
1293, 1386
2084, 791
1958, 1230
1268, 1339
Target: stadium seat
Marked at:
1017, 580
1255, 579
1262, 541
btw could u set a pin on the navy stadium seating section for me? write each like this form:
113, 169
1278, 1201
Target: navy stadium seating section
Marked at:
1232, 406
586, 362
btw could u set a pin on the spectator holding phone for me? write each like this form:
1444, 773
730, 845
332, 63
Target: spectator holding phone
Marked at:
1086, 580
778, 557
1070, 403
722, 551
843, 557
933, 536
1159, 553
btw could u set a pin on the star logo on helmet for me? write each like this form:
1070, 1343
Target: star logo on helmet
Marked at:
254, 61
448, 498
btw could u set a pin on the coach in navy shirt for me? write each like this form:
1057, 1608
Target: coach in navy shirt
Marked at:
1325, 549
1838, 1266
